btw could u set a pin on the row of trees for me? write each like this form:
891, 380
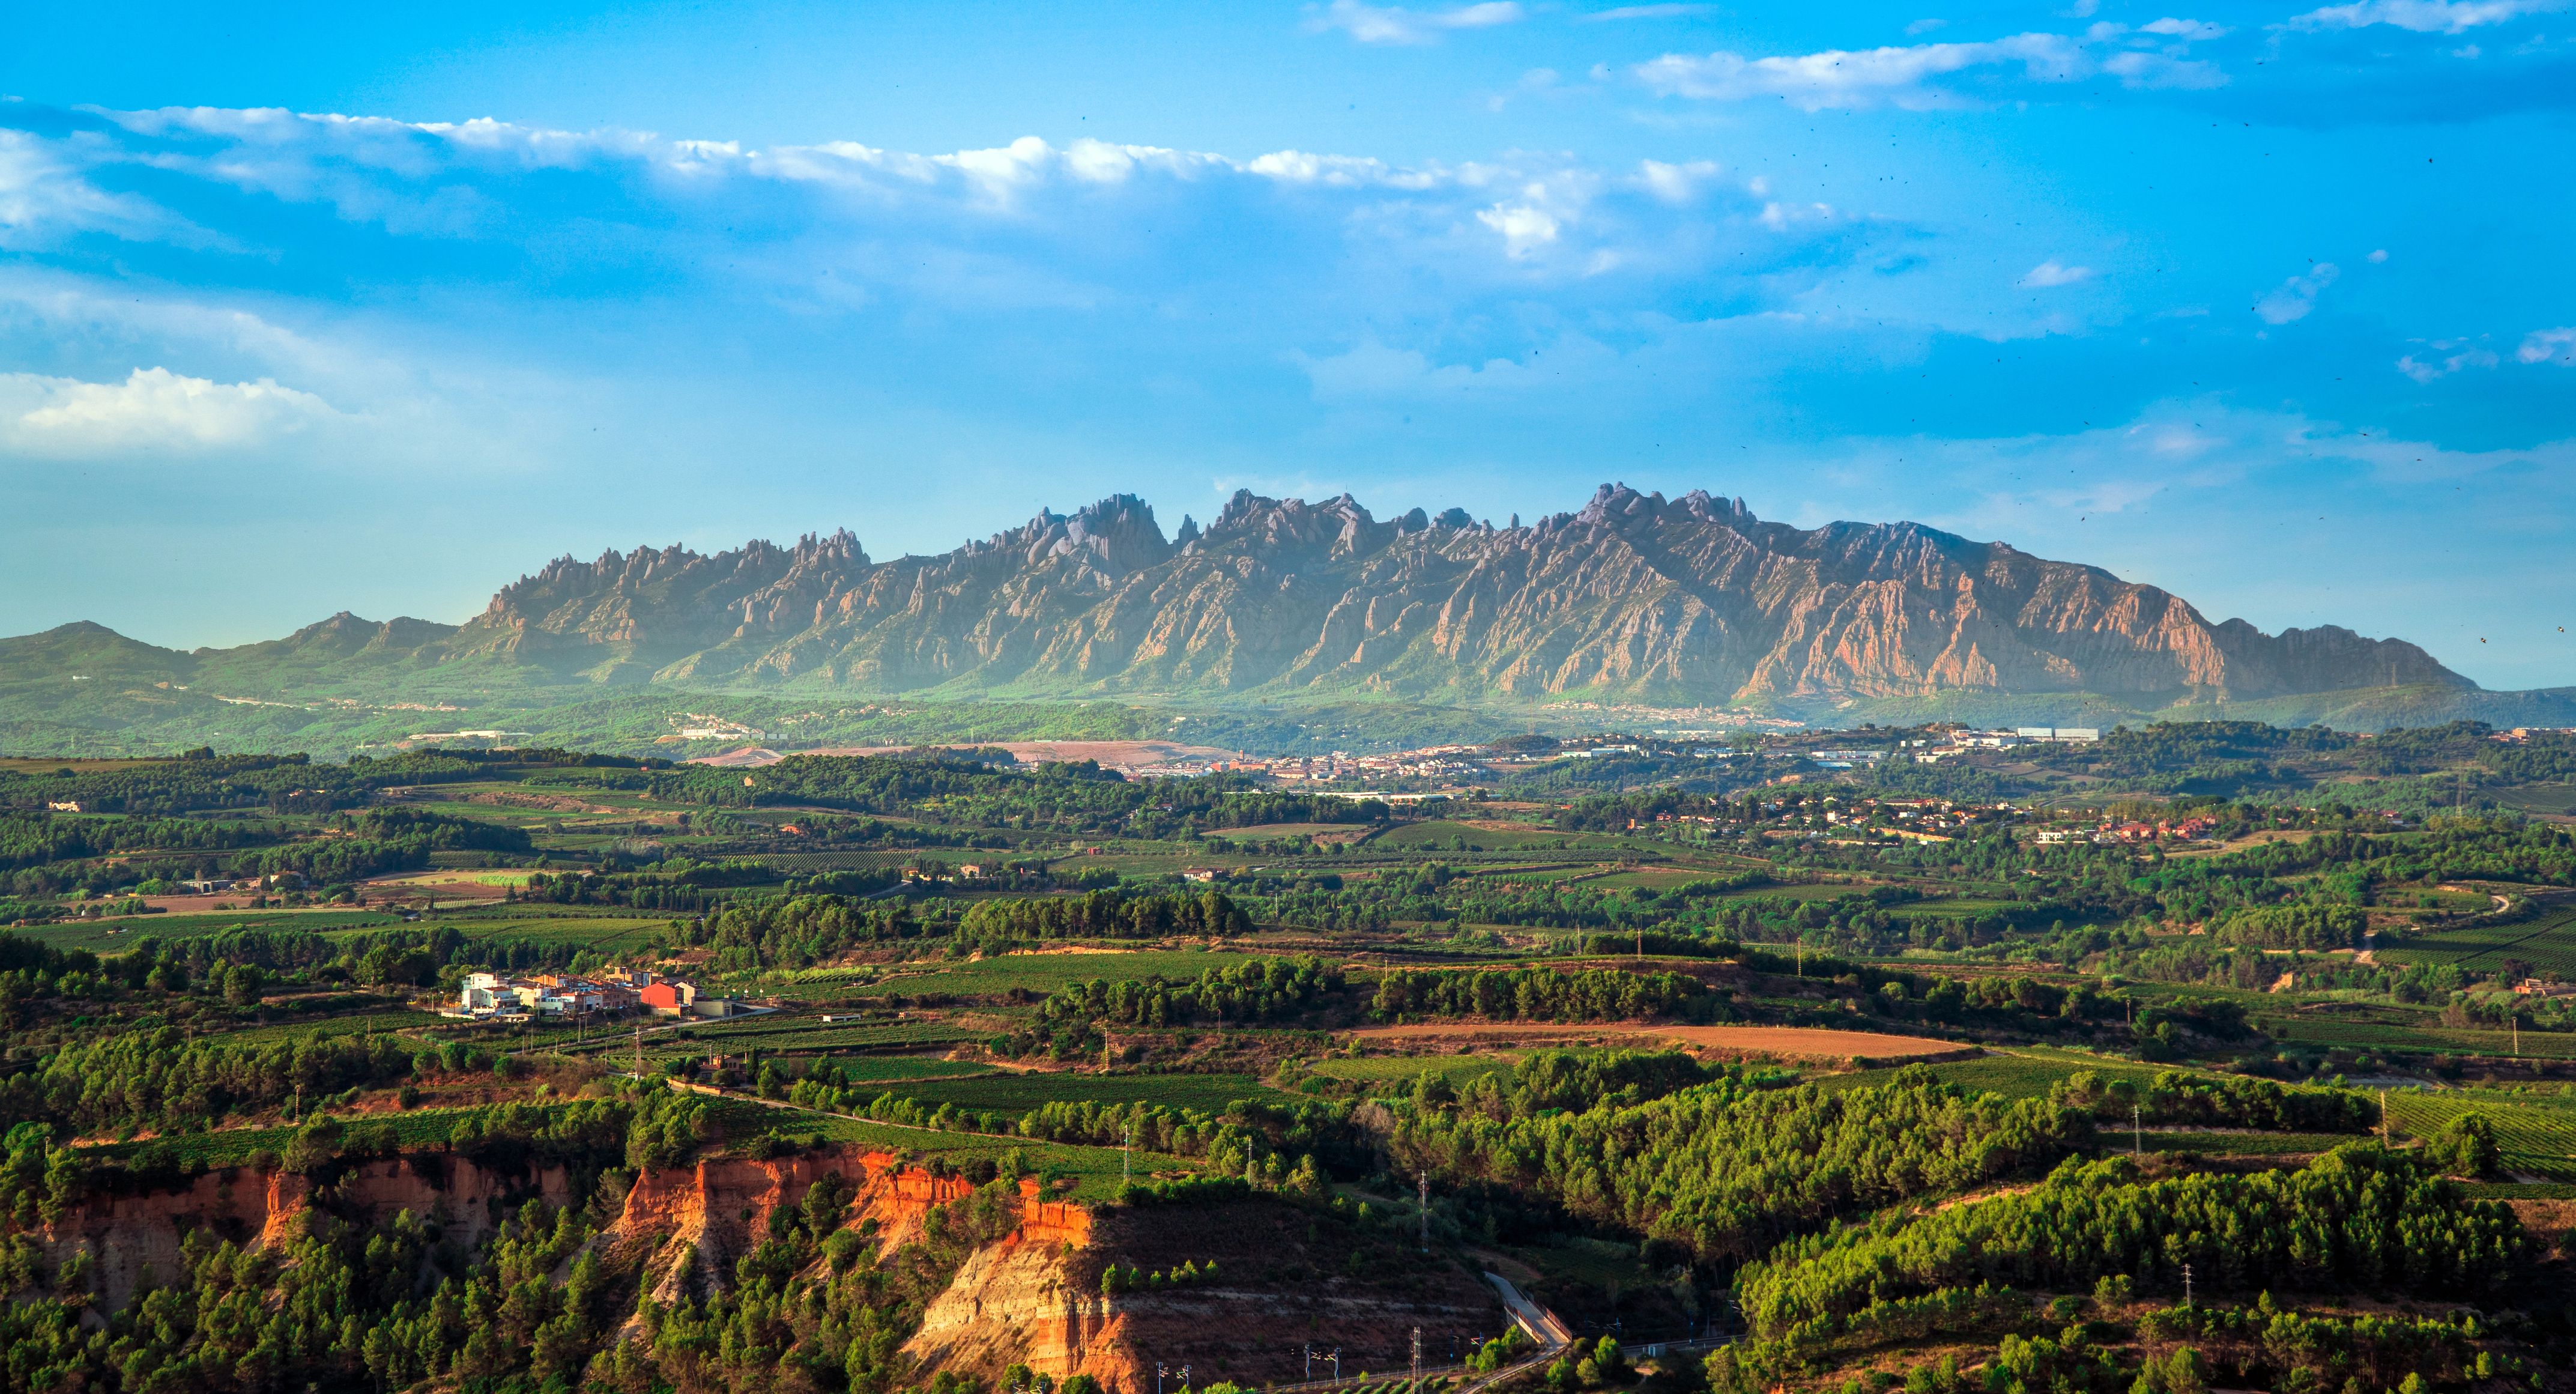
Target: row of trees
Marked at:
1105, 914
1534, 994
2233, 1101
1256, 987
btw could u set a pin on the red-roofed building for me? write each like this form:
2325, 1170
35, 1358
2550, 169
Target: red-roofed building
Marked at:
668, 997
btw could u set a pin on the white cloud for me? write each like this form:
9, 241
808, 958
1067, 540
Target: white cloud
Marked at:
2051, 273
841, 227
1393, 24
2556, 346
1837, 78
2190, 31
2423, 16
1925, 26
1525, 227
2297, 295
43, 199
2446, 358
1676, 183
153, 409
1907, 76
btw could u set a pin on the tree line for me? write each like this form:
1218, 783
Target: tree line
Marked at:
1727, 1169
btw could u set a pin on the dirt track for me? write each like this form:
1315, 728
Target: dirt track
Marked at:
1806, 1042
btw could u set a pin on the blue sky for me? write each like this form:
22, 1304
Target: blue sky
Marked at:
304, 309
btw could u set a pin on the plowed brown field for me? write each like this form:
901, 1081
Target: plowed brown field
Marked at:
1801, 1041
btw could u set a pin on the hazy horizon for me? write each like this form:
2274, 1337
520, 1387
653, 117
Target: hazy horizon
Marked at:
304, 311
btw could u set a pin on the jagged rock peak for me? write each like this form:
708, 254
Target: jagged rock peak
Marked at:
1118, 534
1615, 504
840, 547
1689, 599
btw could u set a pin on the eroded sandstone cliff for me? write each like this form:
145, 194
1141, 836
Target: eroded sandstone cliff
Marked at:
1273, 1276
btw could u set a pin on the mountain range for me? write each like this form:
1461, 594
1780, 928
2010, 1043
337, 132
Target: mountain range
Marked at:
1634, 598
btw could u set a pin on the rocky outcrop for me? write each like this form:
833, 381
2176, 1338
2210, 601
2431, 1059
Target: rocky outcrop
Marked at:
1690, 599
1283, 1277
1274, 1275
129, 1238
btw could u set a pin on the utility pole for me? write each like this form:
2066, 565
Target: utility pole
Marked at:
1158, 1377
1417, 1357
1125, 1173
2137, 1134
2383, 1119
1310, 1361
2186, 1285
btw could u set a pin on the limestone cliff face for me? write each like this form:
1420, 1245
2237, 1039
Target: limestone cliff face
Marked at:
1635, 596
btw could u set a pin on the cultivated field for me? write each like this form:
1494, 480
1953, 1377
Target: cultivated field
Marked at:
1789, 1041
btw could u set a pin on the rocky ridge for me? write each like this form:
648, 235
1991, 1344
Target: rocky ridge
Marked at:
1634, 596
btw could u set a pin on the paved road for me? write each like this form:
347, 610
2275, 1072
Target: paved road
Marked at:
1541, 1324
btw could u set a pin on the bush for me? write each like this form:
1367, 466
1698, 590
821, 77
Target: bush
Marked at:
2466, 1146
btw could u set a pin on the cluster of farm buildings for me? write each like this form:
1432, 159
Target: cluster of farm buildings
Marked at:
504, 997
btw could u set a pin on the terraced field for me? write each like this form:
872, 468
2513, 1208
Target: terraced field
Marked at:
1380, 1069
2229, 1144
598, 933
118, 933
885, 1069
807, 863
1440, 834
1039, 972
2428, 1039
1018, 1093
2538, 1134
2547, 942
810, 1034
